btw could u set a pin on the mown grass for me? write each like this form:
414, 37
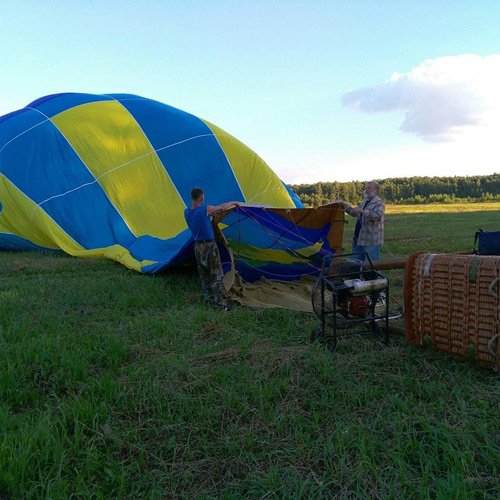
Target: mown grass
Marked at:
120, 385
443, 208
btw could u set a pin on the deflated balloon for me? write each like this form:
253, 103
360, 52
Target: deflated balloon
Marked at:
110, 176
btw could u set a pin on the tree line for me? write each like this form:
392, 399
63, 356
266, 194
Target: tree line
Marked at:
406, 190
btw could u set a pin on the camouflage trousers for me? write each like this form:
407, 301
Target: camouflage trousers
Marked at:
210, 269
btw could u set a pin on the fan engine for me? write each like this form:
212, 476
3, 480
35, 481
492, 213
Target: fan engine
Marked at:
346, 295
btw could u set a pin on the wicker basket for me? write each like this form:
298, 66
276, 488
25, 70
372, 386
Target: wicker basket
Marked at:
452, 304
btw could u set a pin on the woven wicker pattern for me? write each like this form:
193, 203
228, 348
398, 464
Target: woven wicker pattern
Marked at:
451, 301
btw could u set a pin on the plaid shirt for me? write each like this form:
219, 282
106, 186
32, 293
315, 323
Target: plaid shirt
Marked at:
372, 228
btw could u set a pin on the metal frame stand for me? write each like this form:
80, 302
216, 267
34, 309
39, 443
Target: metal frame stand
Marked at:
336, 319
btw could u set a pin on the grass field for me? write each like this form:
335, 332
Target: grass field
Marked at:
120, 385
443, 208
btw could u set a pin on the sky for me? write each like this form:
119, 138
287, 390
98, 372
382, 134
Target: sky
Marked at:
332, 90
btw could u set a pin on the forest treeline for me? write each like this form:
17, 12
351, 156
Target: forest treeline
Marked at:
406, 190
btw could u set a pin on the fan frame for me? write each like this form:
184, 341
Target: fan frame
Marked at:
330, 286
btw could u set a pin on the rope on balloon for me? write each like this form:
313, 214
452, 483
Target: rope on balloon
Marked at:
277, 239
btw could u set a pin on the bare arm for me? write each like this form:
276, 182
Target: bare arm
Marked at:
211, 209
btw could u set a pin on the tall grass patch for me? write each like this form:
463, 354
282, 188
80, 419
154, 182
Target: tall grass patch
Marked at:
120, 385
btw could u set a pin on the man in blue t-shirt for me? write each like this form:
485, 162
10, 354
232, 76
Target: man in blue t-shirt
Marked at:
205, 248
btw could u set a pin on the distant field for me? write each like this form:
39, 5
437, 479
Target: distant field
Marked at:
443, 207
433, 228
116, 385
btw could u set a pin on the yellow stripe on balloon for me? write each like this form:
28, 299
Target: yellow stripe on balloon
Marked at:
22, 217
115, 149
247, 251
257, 181
119, 254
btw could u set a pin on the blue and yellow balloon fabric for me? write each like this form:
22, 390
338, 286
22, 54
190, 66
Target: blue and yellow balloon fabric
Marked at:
110, 176
280, 244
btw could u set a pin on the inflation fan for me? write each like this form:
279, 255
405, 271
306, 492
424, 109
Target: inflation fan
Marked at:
350, 293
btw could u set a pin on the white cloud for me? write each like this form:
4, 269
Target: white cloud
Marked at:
444, 98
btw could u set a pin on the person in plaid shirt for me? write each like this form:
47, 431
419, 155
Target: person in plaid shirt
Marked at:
369, 231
